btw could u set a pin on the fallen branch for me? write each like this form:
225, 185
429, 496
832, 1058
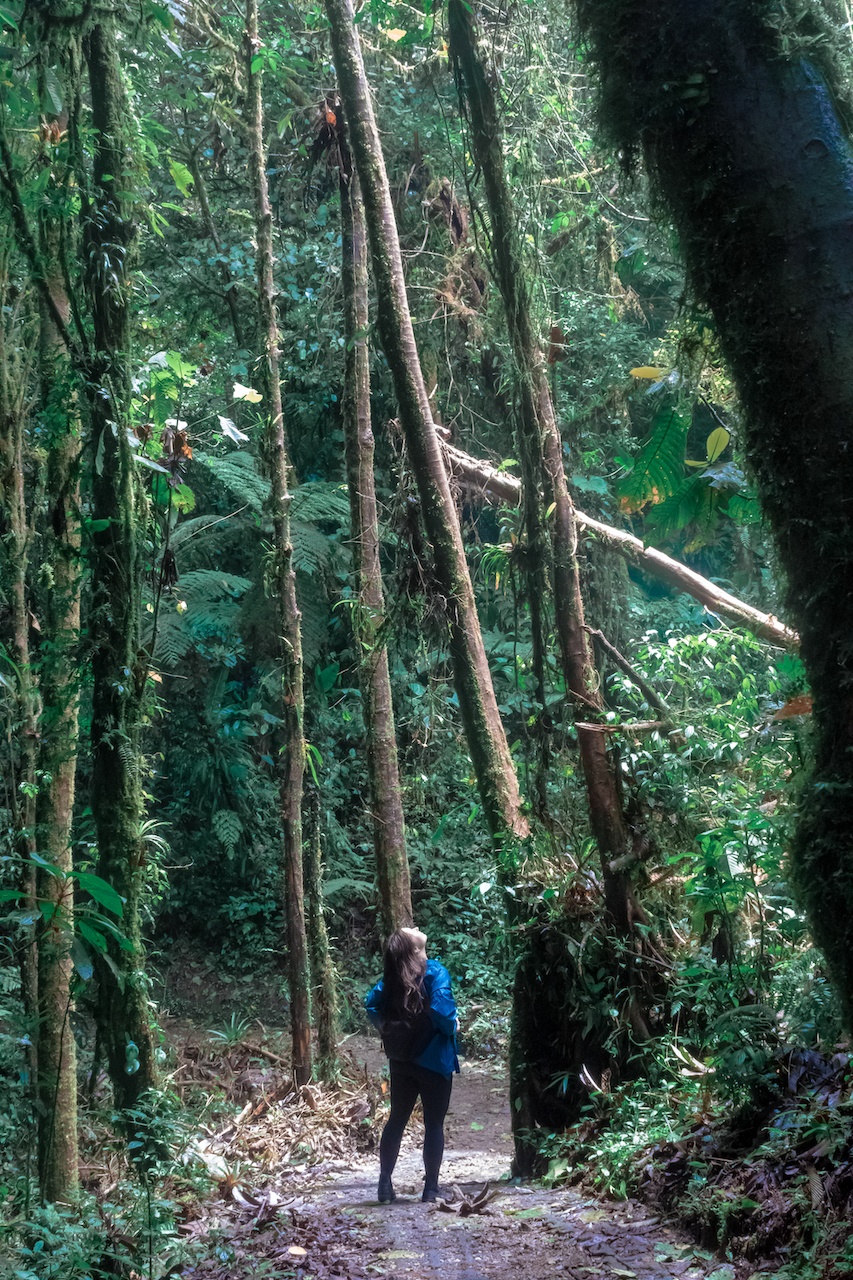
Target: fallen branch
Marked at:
652, 697
499, 486
638, 726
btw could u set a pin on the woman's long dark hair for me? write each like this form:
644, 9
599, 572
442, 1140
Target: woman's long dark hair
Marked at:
403, 979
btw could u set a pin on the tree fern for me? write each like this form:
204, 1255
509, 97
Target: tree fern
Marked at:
658, 470
205, 607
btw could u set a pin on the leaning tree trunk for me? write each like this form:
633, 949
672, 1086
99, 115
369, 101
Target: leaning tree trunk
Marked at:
744, 146
389, 833
118, 670
292, 734
484, 731
541, 456
60, 664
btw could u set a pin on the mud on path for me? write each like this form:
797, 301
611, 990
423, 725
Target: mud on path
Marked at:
329, 1225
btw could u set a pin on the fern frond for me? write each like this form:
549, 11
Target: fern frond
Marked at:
239, 474
320, 502
658, 469
212, 599
228, 829
314, 607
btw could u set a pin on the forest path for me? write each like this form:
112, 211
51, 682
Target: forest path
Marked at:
529, 1231
328, 1224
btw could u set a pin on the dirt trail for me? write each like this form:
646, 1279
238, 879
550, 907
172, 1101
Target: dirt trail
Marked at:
330, 1225
529, 1232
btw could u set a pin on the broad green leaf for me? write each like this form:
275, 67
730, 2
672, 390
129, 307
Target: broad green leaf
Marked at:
91, 935
53, 89
103, 893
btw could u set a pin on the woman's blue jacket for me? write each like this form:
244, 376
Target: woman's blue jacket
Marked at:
440, 1053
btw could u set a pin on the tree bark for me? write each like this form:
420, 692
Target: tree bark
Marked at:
484, 731
500, 486
118, 667
323, 977
292, 735
389, 833
59, 668
743, 143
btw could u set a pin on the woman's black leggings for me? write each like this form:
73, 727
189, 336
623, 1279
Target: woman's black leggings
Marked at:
408, 1082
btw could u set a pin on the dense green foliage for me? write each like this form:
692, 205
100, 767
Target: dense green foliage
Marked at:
653, 437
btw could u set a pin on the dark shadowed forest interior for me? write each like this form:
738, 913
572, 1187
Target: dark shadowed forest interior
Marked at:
426, 459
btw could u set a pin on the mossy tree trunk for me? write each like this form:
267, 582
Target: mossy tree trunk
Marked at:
484, 731
389, 833
59, 673
541, 454
118, 666
744, 146
292, 734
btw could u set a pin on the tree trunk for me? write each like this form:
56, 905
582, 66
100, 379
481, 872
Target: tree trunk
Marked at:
541, 454
118, 668
291, 738
389, 834
323, 977
499, 486
484, 731
59, 669
23, 736
753, 167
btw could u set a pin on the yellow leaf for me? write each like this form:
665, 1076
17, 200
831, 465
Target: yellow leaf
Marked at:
395, 34
296, 1251
718, 442
650, 371
155, 676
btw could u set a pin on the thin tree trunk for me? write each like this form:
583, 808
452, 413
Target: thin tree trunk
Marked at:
323, 978
292, 739
16, 541
389, 835
757, 176
500, 486
541, 455
200, 187
57, 1076
484, 731
118, 671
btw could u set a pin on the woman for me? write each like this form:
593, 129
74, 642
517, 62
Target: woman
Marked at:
414, 1009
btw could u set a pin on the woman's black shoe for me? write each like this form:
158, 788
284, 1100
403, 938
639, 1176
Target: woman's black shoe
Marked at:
430, 1194
385, 1194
